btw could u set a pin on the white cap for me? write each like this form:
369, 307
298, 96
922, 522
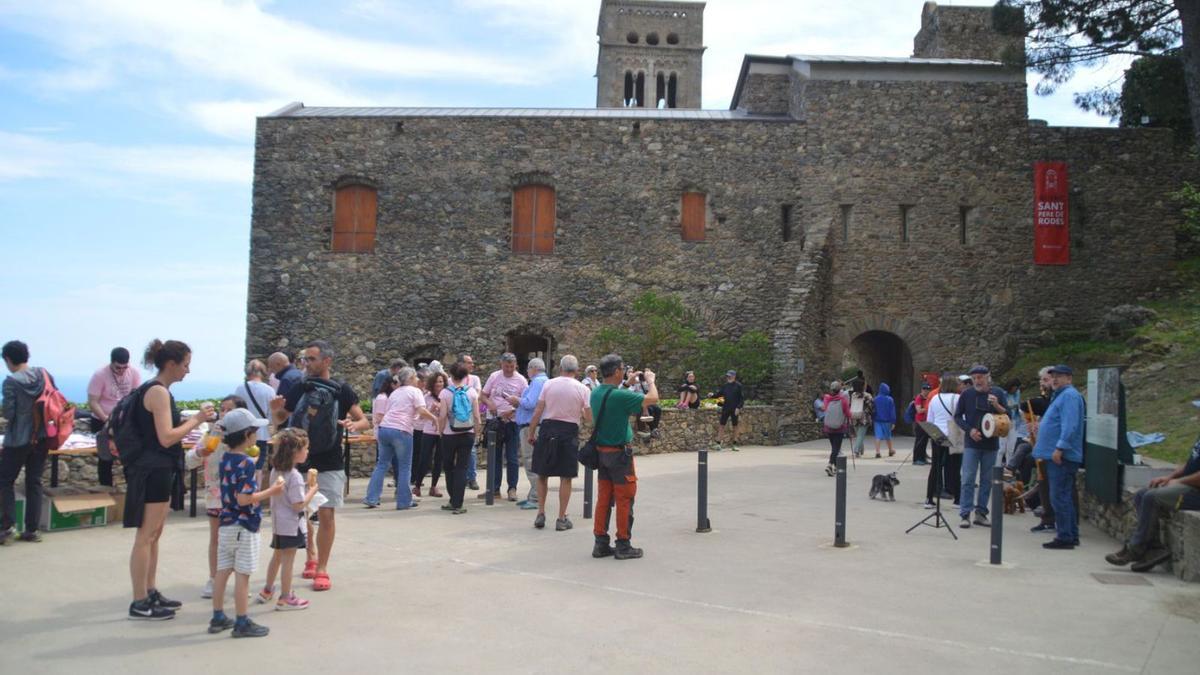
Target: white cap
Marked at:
240, 419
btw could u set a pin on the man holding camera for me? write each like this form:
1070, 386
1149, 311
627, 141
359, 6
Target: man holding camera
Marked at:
616, 478
979, 453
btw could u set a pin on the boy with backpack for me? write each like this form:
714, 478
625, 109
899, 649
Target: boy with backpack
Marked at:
324, 408
25, 446
835, 423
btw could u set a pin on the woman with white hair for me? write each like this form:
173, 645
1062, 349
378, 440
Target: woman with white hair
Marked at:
589, 378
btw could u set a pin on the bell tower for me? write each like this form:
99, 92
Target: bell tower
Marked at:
650, 54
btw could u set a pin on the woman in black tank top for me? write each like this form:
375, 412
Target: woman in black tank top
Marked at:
148, 479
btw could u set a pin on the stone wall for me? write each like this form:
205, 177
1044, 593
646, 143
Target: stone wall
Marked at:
766, 94
963, 33
1181, 530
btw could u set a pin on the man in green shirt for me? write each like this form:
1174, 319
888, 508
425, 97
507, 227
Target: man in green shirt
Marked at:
615, 477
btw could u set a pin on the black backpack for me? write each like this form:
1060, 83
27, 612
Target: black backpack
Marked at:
125, 438
317, 413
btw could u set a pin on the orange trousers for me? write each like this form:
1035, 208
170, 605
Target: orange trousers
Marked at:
616, 482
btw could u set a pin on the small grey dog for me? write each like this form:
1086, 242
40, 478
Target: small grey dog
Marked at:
882, 484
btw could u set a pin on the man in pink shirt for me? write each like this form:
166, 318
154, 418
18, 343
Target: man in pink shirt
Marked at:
502, 392
107, 387
564, 401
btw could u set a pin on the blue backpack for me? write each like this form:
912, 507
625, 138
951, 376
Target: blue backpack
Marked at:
910, 413
461, 417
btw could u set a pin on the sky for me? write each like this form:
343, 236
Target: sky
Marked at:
127, 132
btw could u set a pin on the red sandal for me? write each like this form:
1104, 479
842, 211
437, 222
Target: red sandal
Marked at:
310, 570
321, 582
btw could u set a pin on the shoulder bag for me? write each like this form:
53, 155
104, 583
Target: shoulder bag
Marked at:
589, 455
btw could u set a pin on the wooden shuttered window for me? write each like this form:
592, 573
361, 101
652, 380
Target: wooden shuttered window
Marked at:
354, 210
533, 219
693, 216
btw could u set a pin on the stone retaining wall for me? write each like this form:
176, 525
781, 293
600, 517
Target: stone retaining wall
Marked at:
1181, 530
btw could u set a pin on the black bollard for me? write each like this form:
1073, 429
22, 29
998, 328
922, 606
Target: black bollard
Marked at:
997, 513
839, 525
489, 442
346, 459
587, 492
192, 496
702, 524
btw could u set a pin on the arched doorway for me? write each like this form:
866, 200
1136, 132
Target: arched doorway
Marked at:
885, 357
530, 344
423, 355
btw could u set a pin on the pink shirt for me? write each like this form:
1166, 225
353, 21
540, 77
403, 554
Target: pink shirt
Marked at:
429, 426
447, 402
402, 407
110, 388
378, 408
498, 387
564, 399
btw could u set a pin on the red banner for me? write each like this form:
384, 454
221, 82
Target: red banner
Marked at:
1051, 235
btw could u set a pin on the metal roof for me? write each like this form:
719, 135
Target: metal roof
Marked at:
299, 110
817, 58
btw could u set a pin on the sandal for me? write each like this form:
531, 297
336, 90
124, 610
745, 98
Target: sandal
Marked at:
321, 582
434, 492
310, 570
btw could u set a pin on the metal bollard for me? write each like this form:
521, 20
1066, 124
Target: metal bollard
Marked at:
997, 513
587, 492
489, 442
702, 524
839, 524
192, 496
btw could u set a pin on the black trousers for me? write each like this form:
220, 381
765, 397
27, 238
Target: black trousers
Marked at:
456, 450
835, 445
32, 458
432, 457
919, 445
420, 463
945, 473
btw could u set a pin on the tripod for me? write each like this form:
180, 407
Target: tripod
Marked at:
937, 437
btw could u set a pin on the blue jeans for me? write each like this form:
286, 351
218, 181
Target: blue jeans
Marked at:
471, 473
1061, 478
392, 444
976, 463
508, 445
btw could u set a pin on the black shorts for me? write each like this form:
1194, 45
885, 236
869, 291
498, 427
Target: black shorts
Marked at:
158, 485
283, 541
556, 452
727, 415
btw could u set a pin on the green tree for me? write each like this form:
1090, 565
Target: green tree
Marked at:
1066, 34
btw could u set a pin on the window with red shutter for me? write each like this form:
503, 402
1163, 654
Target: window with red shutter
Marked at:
693, 215
533, 216
354, 211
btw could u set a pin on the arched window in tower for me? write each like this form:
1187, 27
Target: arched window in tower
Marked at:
354, 210
627, 99
640, 92
631, 38
533, 219
651, 39
672, 82
660, 92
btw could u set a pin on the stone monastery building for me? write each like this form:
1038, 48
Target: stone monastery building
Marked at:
878, 207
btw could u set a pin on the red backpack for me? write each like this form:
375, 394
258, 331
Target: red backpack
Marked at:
53, 415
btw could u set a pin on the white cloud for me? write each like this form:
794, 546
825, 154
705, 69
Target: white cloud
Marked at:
23, 156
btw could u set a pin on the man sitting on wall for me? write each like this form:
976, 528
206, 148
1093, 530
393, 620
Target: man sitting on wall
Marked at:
1179, 491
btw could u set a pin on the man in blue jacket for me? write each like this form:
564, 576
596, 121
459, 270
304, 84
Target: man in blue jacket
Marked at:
979, 451
1060, 445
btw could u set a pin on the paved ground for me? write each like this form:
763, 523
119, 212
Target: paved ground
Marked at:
764, 592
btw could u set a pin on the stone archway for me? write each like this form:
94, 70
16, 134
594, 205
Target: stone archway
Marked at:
886, 350
528, 344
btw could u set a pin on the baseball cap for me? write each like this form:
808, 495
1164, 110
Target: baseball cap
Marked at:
978, 369
730, 373
1062, 369
964, 378
240, 419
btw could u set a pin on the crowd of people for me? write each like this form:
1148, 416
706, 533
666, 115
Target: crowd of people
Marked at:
277, 440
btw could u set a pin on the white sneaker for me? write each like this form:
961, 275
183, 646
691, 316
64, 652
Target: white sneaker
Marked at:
966, 523
207, 592
929, 505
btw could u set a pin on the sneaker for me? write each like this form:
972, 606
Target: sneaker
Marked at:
527, 505
458, 511
540, 521
33, 537
1152, 559
734, 448
207, 592
371, 505
919, 462
144, 610
830, 470
625, 551
158, 600
264, 596
291, 603
1042, 527
512, 494
447, 507
562, 524
250, 629
1057, 543
982, 520
217, 625
602, 550
8, 536
929, 505
1126, 555
473, 485
484, 494
966, 523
